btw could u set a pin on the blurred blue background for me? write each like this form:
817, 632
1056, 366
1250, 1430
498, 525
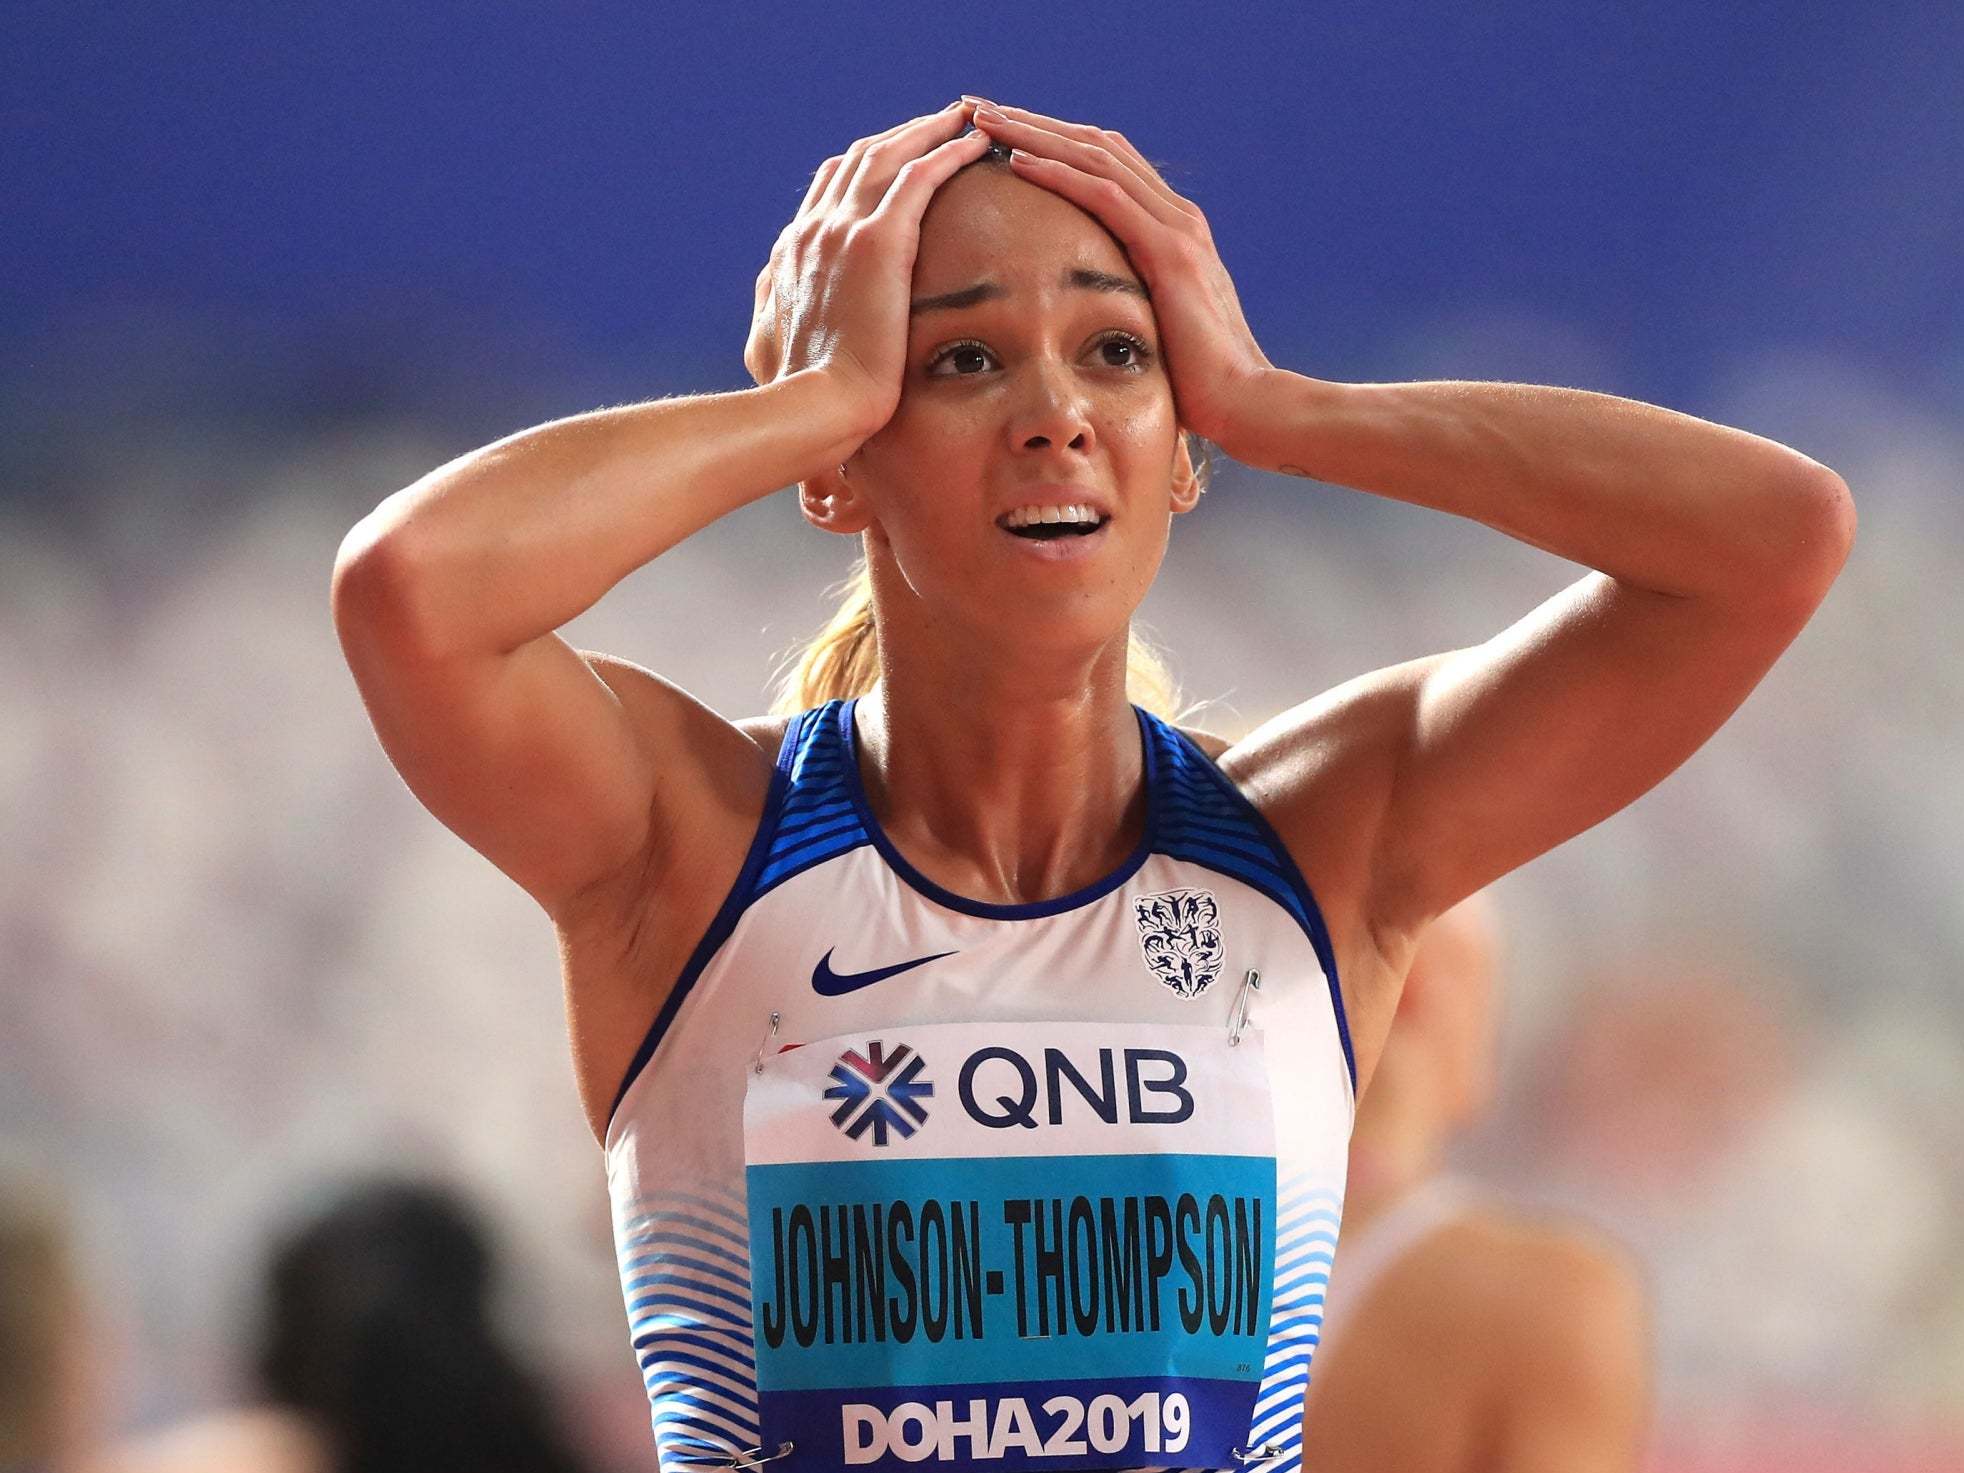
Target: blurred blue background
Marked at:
264, 266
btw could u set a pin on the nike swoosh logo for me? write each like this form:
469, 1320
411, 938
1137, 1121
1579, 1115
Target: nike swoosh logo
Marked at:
828, 983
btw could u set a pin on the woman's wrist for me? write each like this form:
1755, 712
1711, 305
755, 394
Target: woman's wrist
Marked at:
1271, 427
836, 415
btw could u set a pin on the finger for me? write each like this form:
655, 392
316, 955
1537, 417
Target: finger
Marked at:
883, 162
1160, 203
1017, 119
1090, 154
1021, 128
820, 187
820, 179
1118, 208
1028, 115
823, 195
935, 125
916, 180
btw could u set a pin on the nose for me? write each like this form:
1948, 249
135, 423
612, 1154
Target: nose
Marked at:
1051, 410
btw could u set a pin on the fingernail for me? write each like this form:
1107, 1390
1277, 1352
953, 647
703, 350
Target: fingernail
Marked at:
970, 97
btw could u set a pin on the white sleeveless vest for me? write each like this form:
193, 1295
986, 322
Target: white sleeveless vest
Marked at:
905, 1179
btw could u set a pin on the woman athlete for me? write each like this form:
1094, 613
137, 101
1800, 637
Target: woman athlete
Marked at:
973, 1049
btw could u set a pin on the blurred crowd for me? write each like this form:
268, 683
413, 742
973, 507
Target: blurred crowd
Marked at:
238, 961
374, 1349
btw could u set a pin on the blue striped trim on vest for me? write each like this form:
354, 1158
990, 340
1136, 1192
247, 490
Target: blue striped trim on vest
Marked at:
819, 820
1201, 817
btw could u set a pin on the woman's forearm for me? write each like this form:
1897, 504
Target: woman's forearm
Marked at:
1654, 498
514, 539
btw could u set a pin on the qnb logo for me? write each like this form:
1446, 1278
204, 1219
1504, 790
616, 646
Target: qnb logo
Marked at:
878, 1091
1001, 1088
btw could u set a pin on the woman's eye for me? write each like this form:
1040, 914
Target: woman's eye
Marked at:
960, 354
965, 360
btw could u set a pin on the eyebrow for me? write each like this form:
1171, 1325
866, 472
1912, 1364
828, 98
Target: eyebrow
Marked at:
989, 291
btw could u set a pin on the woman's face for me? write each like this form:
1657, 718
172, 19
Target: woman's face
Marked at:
1044, 392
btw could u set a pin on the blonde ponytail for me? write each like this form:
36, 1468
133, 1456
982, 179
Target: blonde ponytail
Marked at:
843, 660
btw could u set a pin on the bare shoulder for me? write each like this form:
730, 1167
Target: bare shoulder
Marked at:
1549, 1292
1333, 756
766, 731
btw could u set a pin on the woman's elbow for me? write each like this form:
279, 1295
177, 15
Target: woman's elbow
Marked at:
1826, 515
1813, 525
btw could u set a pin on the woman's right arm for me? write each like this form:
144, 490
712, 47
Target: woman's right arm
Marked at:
446, 597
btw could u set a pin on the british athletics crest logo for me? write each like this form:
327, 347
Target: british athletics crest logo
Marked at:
880, 1092
1180, 934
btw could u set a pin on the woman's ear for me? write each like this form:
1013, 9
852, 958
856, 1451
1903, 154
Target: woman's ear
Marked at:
831, 502
1188, 486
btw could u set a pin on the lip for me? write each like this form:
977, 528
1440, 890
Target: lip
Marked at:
1060, 549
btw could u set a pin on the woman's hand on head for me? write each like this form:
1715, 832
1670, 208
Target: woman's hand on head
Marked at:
833, 296
1210, 353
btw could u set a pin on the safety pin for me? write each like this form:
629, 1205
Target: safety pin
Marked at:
1267, 1452
1250, 985
754, 1457
757, 1065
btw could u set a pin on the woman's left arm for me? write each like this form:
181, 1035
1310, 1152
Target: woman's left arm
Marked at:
1658, 500
1712, 548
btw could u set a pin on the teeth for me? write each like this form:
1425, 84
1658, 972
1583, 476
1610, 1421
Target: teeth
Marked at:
1028, 516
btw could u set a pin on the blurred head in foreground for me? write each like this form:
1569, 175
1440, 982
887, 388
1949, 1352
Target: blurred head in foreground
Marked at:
378, 1329
46, 1396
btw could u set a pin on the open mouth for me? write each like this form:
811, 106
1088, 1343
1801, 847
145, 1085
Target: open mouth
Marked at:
1053, 531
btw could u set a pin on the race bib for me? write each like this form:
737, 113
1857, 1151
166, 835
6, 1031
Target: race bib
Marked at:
1015, 1246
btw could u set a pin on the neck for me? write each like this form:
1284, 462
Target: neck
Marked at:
1010, 785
